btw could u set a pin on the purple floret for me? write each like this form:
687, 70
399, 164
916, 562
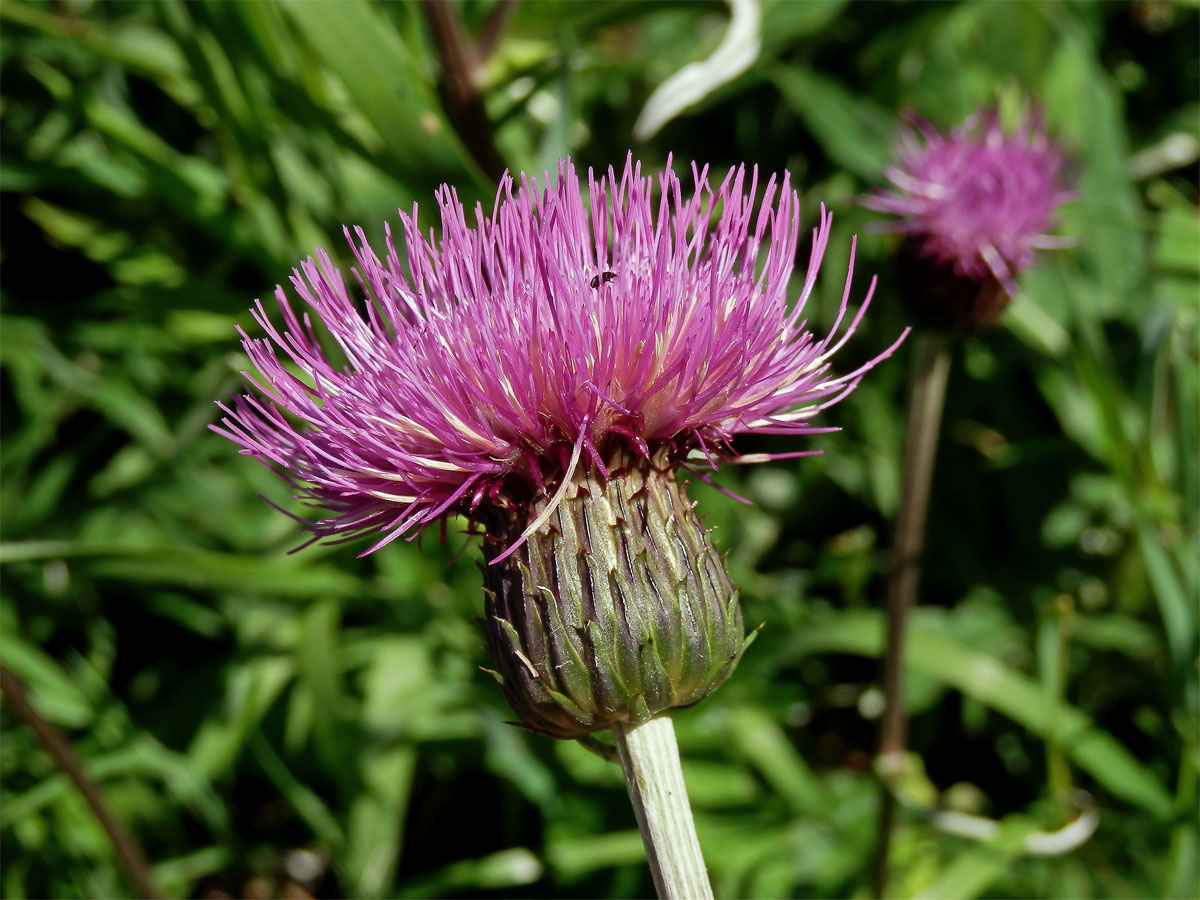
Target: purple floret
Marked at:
977, 200
485, 367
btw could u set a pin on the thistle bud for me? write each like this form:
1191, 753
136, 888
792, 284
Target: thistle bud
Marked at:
976, 206
616, 609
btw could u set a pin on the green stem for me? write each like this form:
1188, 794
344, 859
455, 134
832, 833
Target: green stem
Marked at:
1058, 769
931, 365
649, 758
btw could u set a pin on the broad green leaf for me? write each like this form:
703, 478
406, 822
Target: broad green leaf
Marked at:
254, 687
55, 693
144, 758
510, 868
307, 804
1177, 610
133, 44
319, 667
1183, 874
509, 751
1178, 246
974, 870
850, 128
1039, 314
1085, 109
784, 21
281, 576
375, 827
189, 183
178, 874
761, 741
574, 856
370, 57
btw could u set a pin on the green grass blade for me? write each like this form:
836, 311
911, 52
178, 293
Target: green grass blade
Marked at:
1004, 689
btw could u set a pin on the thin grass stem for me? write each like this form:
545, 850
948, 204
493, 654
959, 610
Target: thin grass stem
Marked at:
460, 61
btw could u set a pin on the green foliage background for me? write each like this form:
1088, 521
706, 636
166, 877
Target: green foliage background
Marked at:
270, 723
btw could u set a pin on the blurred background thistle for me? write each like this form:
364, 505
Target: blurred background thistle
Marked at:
267, 723
975, 206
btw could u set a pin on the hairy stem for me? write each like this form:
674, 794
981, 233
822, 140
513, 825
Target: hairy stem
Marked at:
56, 744
649, 758
931, 365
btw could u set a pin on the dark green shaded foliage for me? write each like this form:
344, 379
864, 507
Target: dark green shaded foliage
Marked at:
260, 718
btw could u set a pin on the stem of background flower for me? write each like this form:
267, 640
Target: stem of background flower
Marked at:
927, 391
129, 851
460, 59
649, 758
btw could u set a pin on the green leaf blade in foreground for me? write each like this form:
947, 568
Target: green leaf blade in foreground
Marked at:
192, 568
380, 73
855, 134
975, 869
1005, 690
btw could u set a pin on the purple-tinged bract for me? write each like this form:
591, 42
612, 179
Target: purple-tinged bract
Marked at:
482, 370
977, 200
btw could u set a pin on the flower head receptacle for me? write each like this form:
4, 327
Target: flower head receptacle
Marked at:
617, 611
544, 371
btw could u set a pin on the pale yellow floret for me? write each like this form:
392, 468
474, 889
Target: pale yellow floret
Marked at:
380, 473
395, 498
804, 412
506, 386
437, 464
406, 426
464, 429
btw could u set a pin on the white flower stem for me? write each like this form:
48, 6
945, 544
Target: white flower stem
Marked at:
649, 758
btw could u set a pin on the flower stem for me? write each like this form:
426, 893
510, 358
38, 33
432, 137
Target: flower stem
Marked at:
459, 60
927, 391
129, 851
649, 758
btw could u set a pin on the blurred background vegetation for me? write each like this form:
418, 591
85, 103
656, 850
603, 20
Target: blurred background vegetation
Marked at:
317, 724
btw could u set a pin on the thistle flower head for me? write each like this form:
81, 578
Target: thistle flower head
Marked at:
483, 369
544, 371
977, 200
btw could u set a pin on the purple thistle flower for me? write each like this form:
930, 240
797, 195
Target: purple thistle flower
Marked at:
545, 371
977, 200
535, 340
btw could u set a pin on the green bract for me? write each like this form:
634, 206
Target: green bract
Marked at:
618, 608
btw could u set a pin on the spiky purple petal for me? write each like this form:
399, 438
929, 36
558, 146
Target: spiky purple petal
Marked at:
482, 368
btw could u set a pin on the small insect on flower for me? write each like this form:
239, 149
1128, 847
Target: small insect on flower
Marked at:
486, 379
